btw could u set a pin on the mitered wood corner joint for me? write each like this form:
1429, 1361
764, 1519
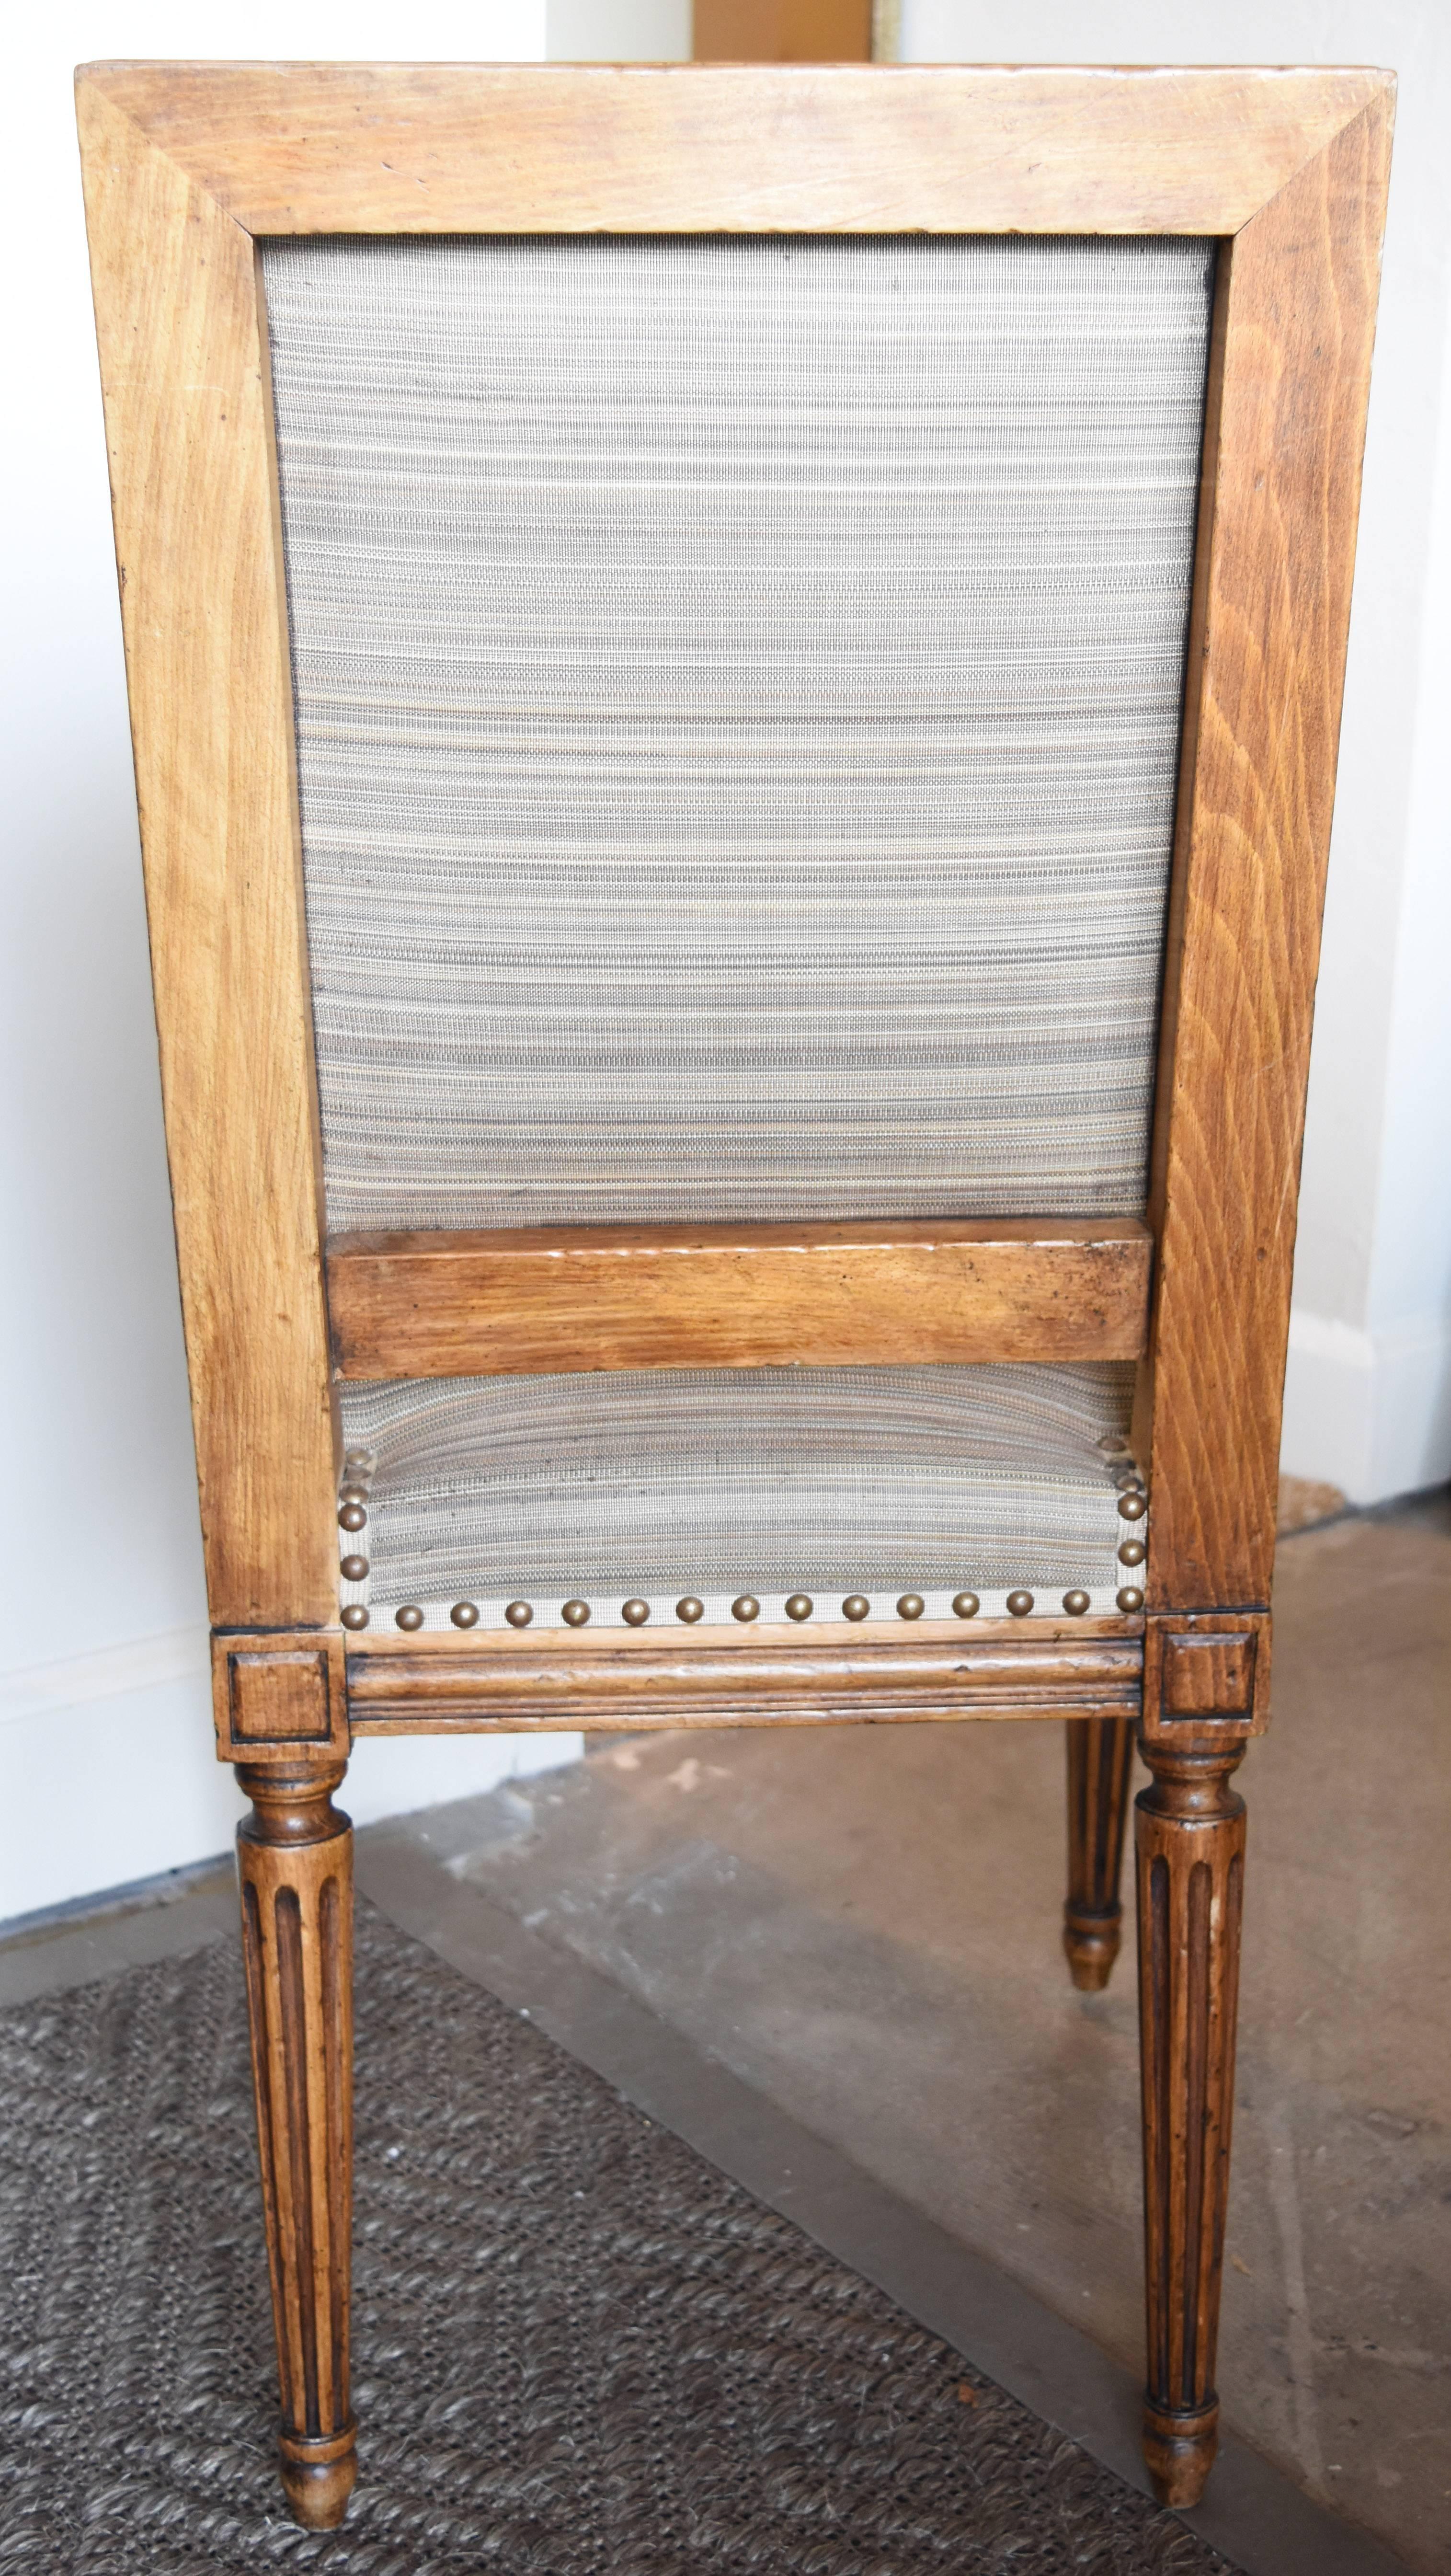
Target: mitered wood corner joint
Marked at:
281, 1696
1206, 1678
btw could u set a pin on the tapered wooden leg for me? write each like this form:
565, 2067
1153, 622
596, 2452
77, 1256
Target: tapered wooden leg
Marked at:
295, 1855
1100, 1758
1190, 1846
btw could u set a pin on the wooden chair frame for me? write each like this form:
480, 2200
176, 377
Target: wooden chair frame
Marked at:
185, 166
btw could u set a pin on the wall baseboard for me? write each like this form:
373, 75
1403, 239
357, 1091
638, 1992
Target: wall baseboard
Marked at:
1370, 1412
108, 1770
142, 1663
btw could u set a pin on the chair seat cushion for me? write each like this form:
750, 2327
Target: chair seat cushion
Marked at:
656, 1484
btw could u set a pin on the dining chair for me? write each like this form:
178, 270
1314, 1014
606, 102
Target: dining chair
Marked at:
735, 676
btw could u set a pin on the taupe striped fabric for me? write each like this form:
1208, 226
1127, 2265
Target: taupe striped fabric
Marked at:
763, 1481
738, 689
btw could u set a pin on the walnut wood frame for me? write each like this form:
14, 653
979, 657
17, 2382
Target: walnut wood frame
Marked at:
185, 166
542, 1298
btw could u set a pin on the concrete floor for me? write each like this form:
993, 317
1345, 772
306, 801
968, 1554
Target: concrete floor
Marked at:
863, 1924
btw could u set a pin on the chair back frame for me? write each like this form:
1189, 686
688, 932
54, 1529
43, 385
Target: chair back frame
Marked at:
185, 167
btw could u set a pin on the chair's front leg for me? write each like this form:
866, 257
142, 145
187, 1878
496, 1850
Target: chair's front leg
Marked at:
1100, 1758
1190, 1845
295, 1856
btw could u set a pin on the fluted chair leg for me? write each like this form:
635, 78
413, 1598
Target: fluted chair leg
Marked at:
1100, 1759
295, 1856
1190, 1844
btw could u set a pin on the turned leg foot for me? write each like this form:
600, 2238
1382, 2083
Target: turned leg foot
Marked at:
1190, 1846
295, 1857
1100, 1757
319, 2476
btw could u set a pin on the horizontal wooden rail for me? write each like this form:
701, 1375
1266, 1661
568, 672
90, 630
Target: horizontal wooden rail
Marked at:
715, 1680
734, 147
738, 1296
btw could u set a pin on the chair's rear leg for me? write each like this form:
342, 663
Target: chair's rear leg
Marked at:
295, 1856
1190, 1848
1100, 1758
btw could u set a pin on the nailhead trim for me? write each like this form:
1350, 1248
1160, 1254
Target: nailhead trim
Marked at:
354, 1497
746, 1608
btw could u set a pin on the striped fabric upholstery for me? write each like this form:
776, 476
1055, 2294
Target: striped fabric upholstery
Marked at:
738, 689
651, 1485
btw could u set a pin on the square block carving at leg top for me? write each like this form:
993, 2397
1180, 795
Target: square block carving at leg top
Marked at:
278, 1697
1209, 1670
1208, 1676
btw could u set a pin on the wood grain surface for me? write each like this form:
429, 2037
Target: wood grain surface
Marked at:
199, 555
781, 31
1206, 1677
1286, 427
1100, 1763
555, 1681
295, 1863
1190, 1832
733, 1296
449, 147
280, 1698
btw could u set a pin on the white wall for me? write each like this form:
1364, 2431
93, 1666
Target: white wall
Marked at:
619, 31
1368, 1394
107, 1771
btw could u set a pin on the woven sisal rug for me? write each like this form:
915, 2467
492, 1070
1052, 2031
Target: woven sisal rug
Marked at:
577, 2346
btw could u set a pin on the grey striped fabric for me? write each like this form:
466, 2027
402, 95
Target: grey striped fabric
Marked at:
738, 693
766, 1481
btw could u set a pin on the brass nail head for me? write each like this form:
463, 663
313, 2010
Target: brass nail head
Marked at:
352, 1517
464, 1614
855, 1606
1131, 1598
410, 1616
1075, 1603
965, 1605
799, 1606
911, 1606
575, 1614
1132, 1506
747, 1607
635, 1613
355, 1615
690, 1610
1020, 1603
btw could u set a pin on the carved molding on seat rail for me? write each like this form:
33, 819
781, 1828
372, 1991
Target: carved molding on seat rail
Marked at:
715, 1680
